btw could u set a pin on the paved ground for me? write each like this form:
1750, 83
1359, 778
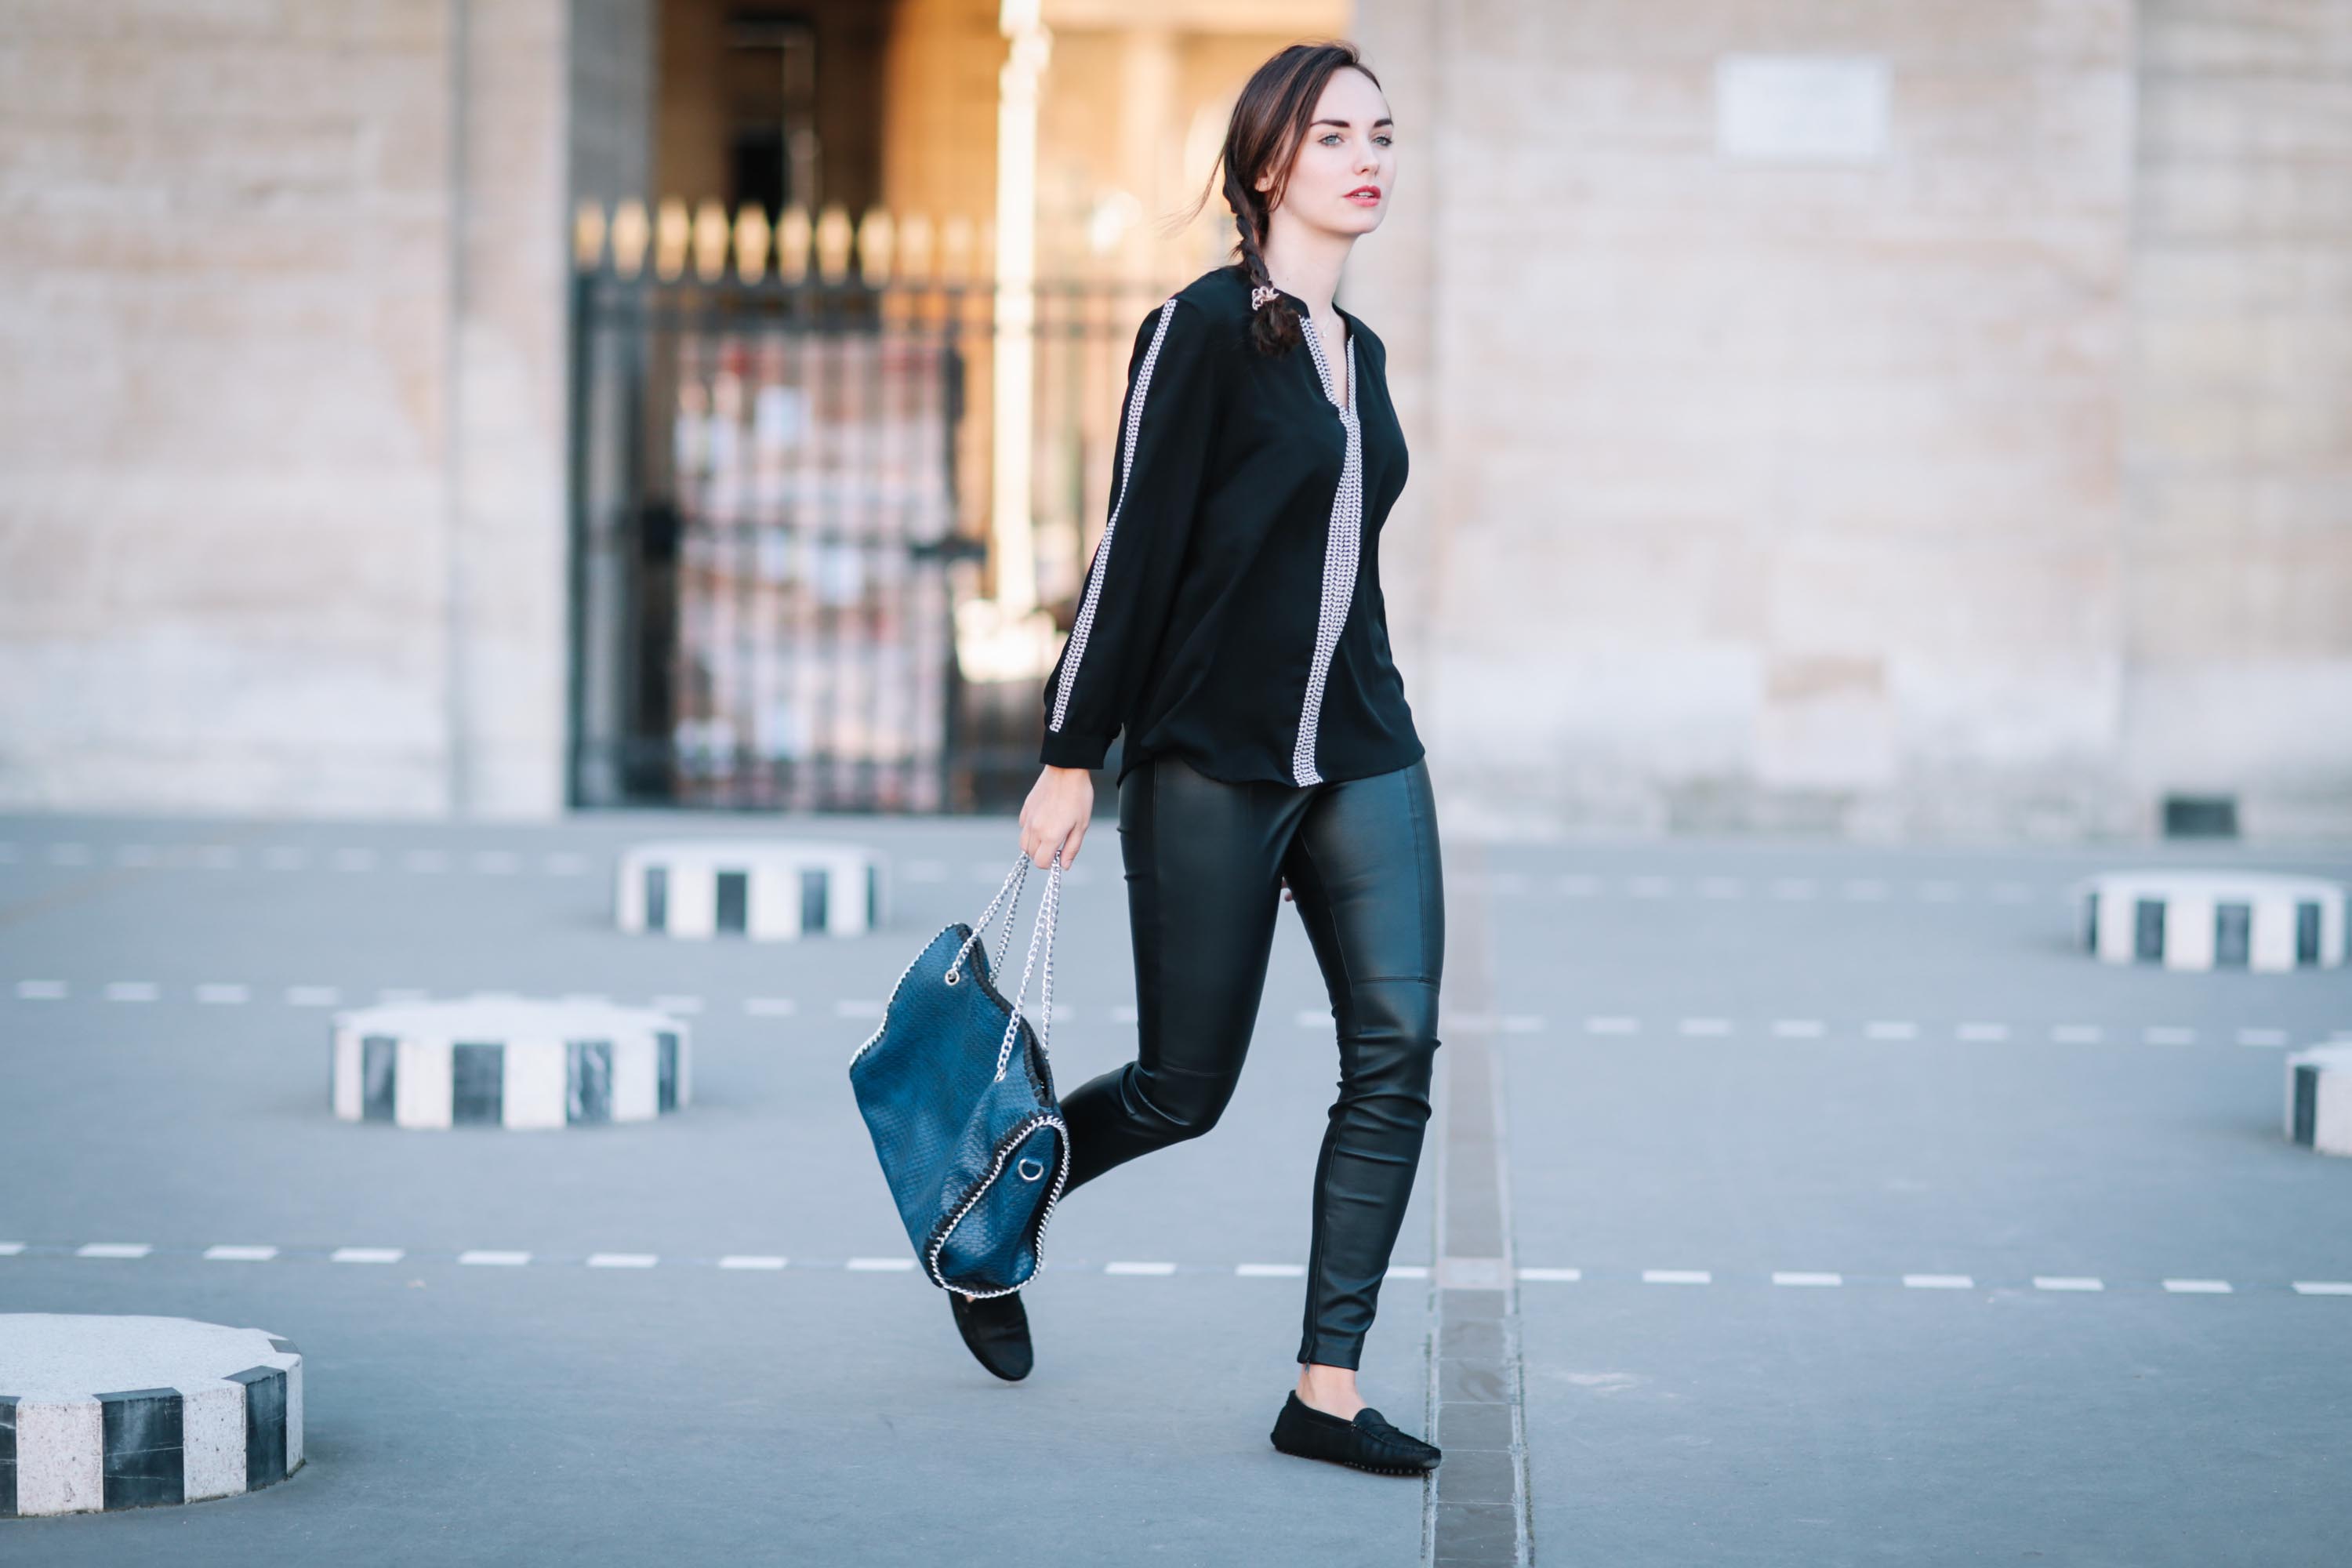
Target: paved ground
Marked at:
1856, 1219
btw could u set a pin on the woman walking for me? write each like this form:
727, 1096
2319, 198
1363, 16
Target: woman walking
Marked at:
1232, 624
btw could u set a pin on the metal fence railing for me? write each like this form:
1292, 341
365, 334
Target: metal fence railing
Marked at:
780, 495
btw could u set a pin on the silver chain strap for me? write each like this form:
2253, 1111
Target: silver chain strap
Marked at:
1014, 882
1046, 908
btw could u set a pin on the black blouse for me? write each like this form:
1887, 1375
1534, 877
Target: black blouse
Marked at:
1233, 612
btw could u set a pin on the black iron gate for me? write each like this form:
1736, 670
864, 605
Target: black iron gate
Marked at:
778, 501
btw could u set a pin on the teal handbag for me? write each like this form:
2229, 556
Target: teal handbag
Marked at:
955, 1089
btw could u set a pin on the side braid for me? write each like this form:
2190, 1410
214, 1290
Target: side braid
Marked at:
1274, 329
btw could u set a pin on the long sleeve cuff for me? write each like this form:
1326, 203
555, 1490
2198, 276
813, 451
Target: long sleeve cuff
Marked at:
1069, 749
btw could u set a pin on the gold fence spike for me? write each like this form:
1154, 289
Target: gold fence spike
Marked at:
916, 255
833, 238
751, 243
792, 235
588, 235
956, 243
672, 230
711, 235
630, 232
877, 238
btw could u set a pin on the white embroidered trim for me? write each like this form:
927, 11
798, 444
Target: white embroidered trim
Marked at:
1340, 550
1084, 623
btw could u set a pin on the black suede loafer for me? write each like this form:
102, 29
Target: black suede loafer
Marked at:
1368, 1442
995, 1329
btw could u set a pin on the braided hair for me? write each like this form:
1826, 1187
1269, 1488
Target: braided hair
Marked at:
1270, 118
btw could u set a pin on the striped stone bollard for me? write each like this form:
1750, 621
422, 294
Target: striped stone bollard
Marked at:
2214, 919
506, 1061
771, 890
99, 1413
2319, 1098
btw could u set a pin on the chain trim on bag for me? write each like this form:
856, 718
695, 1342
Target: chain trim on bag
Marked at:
1011, 1142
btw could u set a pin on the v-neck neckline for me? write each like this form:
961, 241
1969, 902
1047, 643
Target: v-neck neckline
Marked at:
1326, 374
1323, 374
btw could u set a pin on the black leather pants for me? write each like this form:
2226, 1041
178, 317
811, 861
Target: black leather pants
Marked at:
1202, 861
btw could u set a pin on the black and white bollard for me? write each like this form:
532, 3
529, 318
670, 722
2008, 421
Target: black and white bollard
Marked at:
100, 1413
771, 890
506, 1061
2319, 1098
2214, 919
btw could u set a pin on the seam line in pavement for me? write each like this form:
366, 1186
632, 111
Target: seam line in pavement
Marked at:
1475, 1508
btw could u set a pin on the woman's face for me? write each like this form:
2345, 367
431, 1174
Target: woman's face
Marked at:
1344, 175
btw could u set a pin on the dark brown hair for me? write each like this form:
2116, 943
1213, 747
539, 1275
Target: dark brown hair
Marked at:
1270, 119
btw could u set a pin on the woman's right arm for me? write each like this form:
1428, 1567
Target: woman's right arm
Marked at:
1165, 429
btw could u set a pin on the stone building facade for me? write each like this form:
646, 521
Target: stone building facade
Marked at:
1926, 420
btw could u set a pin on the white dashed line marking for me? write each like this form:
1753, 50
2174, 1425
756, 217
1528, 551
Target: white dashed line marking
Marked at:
497, 862
856, 1008
1408, 1271
490, 1259
1649, 887
1611, 1026
366, 1254
223, 994
1722, 888
623, 1259
239, 1254
1270, 1270
284, 857
10, 1249
563, 863
1799, 1029
1312, 1017
689, 1004
2011, 893
40, 990
770, 1006
2262, 1037
1558, 1276
750, 1260
2169, 1035
312, 996
1138, 1268
2323, 1286
1522, 1023
1791, 1278
2067, 1282
2077, 1033
880, 1265
425, 860
1939, 1282
114, 1250
1864, 892
1983, 1031
2198, 1287
132, 991
1126, 1014
1939, 892
1677, 1276
353, 861
1890, 1029
1705, 1026
1794, 887
925, 870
